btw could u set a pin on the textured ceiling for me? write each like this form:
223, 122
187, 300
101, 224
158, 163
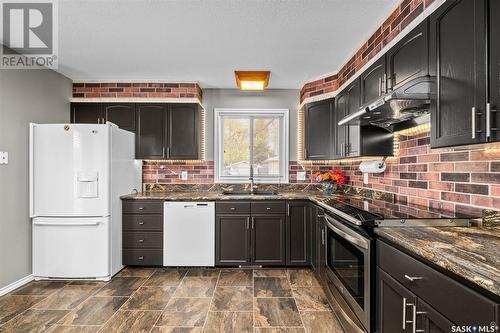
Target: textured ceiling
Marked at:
206, 40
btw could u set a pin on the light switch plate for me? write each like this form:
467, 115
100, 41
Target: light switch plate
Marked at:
184, 175
301, 175
4, 157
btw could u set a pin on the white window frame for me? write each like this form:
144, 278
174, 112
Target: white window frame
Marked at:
218, 142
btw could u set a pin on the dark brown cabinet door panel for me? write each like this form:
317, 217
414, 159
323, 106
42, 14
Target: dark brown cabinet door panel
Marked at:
430, 320
347, 137
341, 110
494, 67
409, 58
183, 133
394, 304
232, 239
150, 135
457, 48
87, 113
297, 231
319, 130
122, 115
373, 83
268, 240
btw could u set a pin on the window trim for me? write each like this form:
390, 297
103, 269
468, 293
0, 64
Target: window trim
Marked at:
284, 137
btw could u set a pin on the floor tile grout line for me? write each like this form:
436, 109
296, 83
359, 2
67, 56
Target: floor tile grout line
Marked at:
170, 299
31, 307
128, 298
295, 301
211, 301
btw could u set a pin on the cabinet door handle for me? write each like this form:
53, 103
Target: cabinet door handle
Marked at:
163, 152
384, 84
413, 278
141, 240
232, 208
103, 121
168, 152
141, 223
288, 210
474, 115
253, 223
404, 312
380, 86
341, 149
268, 208
141, 258
322, 236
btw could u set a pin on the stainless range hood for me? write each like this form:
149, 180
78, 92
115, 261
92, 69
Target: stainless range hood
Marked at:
404, 107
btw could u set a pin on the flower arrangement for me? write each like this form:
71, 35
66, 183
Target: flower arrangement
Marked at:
331, 179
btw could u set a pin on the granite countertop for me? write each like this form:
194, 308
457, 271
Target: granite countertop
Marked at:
468, 252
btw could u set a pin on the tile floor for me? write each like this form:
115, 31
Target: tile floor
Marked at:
164, 300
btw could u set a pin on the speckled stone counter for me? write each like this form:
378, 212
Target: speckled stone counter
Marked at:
472, 253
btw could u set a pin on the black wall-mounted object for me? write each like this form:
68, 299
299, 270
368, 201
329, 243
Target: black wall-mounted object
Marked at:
319, 130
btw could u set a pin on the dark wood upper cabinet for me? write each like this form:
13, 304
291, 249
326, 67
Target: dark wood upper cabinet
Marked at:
409, 58
494, 68
373, 82
298, 231
183, 133
347, 137
150, 136
394, 305
87, 113
122, 115
232, 239
458, 59
319, 130
268, 240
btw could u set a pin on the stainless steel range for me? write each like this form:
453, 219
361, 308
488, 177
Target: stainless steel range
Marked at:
350, 257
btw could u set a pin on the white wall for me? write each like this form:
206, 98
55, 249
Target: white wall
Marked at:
235, 98
25, 96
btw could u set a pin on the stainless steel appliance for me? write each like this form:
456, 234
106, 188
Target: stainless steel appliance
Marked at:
349, 262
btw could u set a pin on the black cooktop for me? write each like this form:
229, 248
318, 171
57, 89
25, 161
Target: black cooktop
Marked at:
367, 211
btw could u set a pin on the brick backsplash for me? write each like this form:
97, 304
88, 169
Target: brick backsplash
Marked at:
461, 179
405, 13
458, 179
167, 172
136, 90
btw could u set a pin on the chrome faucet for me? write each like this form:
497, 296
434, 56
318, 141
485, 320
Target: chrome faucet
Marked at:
251, 180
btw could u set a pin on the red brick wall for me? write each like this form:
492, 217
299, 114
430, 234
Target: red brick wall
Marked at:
450, 178
136, 90
406, 12
165, 172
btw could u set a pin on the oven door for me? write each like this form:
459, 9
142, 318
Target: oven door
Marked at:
348, 263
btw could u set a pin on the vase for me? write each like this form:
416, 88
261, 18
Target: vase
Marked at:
329, 188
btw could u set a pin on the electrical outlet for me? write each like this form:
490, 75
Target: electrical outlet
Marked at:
301, 175
365, 178
4, 157
184, 175
366, 205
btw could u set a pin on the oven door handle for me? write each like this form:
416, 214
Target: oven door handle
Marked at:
361, 242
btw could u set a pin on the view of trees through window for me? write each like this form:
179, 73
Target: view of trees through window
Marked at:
251, 140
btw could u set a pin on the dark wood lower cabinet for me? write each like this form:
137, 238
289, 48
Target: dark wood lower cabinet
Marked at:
394, 303
232, 239
268, 240
298, 231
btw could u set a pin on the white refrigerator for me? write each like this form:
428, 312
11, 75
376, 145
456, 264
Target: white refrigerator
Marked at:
77, 174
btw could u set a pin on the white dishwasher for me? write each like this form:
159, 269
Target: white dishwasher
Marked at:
189, 233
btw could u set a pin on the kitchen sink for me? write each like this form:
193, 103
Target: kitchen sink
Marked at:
249, 193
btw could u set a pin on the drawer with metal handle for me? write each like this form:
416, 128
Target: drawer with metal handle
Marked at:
142, 257
142, 222
232, 207
142, 207
143, 240
435, 288
269, 207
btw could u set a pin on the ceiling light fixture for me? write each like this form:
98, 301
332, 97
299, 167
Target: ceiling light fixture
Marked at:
252, 80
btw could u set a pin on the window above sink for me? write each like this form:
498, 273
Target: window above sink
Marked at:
247, 139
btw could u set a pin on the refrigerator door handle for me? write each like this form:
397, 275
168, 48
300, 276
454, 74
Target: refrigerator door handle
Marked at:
31, 169
68, 224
